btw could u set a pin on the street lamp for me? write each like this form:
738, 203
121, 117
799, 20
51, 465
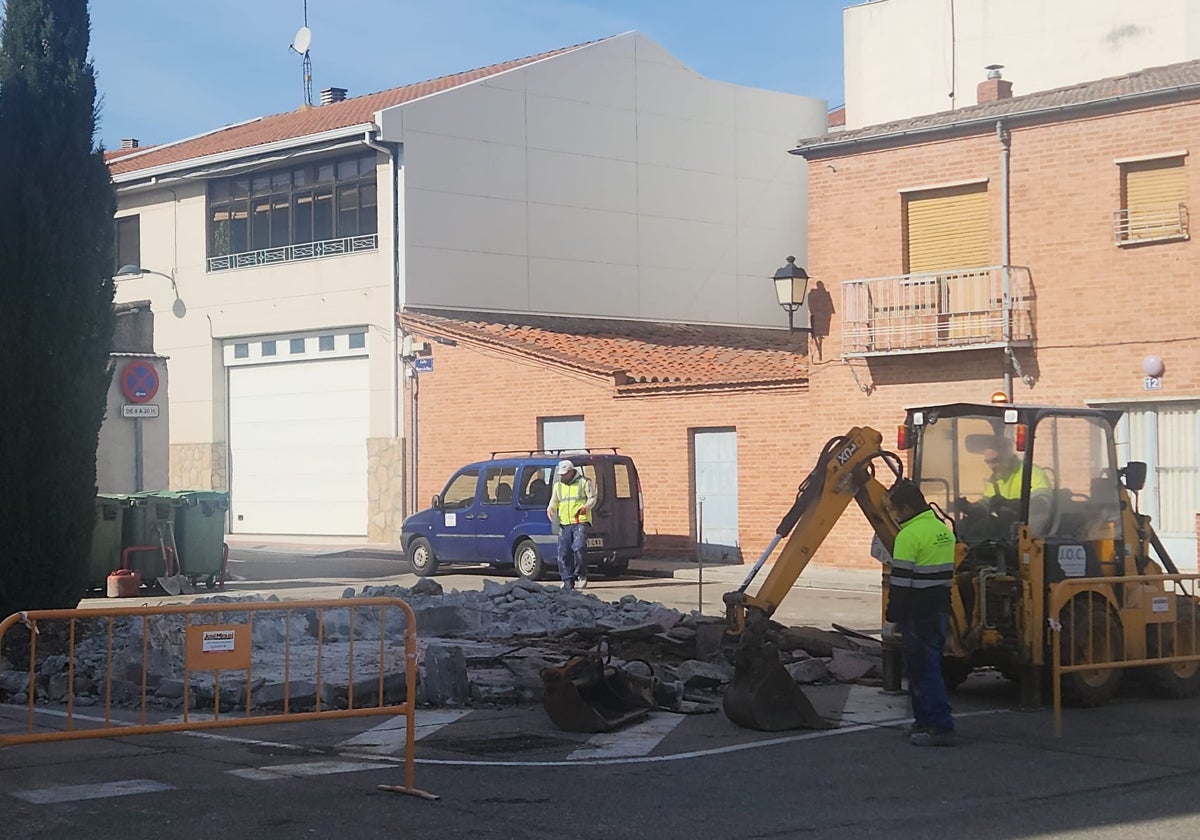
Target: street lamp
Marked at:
178, 308
791, 283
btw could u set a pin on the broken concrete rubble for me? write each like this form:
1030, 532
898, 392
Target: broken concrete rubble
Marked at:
487, 646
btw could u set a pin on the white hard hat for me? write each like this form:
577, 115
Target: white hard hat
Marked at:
564, 467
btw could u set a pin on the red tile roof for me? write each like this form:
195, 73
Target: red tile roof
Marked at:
1180, 80
638, 356
294, 125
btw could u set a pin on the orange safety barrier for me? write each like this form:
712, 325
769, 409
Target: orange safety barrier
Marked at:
222, 644
1090, 627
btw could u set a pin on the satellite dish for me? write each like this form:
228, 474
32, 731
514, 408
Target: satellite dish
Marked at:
302, 40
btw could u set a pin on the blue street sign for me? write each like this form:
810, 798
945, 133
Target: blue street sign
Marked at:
423, 364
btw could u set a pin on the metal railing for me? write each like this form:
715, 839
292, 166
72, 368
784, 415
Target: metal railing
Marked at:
1137, 226
1087, 636
954, 309
198, 643
295, 253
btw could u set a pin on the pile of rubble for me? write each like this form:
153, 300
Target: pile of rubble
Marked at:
484, 647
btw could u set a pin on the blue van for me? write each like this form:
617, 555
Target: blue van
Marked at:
494, 512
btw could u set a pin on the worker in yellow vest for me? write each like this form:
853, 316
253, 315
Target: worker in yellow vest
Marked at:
571, 503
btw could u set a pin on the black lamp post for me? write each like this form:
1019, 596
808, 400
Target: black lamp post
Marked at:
791, 284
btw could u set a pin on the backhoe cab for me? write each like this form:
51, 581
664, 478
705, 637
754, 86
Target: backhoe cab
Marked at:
1034, 496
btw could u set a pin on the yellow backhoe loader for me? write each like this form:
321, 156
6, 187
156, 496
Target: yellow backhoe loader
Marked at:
1034, 496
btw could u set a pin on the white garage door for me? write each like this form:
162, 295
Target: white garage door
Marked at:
298, 447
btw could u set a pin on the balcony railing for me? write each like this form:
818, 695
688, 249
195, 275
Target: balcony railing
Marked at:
1134, 227
959, 309
295, 253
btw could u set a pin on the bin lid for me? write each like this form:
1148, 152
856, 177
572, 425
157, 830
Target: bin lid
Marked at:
179, 498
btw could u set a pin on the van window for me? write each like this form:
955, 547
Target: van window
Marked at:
460, 492
589, 472
622, 481
535, 486
498, 485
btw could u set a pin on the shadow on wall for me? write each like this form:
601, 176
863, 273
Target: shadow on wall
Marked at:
683, 547
820, 316
986, 366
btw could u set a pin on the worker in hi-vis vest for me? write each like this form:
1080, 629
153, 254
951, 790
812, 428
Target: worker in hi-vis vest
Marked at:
571, 503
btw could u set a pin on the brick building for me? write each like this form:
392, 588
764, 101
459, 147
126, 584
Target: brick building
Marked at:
1038, 244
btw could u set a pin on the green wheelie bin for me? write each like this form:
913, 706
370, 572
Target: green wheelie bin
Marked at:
106, 538
148, 531
200, 534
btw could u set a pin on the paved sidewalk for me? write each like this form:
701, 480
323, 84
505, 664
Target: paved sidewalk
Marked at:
814, 577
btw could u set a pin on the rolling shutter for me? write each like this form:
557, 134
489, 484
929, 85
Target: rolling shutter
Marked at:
1153, 184
948, 228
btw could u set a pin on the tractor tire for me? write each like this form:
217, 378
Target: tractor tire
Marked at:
1181, 679
1091, 633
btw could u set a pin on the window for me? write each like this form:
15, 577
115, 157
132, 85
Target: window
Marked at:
561, 433
325, 342
358, 341
268, 348
460, 492
623, 478
498, 485
535, 486
1153, 195
297, 345
293, 206
241, 350
129, 242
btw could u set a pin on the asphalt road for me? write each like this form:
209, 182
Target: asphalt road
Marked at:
1123, 771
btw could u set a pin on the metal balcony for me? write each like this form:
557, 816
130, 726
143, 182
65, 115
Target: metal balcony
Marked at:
957, 309
1135, 227
295, 253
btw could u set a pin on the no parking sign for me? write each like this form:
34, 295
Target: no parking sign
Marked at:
139, 381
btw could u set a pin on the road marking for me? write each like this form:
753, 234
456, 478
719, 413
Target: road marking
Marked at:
103, 790
303, 769
391, 736
638, 739
870, 705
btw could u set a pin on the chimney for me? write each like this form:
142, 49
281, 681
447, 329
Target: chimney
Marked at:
129, 143
993, 88
333, 94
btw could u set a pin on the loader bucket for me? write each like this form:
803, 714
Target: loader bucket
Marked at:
764, 696
585, 695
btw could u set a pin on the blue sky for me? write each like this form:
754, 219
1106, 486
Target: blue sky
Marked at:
170, 68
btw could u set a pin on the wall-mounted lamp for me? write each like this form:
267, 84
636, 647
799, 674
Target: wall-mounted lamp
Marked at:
1153, 366
791, 284
136, 271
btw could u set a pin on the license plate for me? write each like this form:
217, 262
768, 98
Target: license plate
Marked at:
595, 542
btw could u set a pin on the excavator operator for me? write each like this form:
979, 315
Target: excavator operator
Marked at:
1000, 507
922, 571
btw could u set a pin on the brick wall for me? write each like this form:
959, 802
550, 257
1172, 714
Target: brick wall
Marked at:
479, 400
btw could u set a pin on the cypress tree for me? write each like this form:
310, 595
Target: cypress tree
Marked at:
57, 204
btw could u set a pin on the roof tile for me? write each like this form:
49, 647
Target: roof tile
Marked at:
636, 354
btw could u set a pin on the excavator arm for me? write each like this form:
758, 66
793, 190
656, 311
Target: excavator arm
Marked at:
763, 695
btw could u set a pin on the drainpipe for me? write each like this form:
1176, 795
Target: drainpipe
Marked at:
394, 384
1005, 257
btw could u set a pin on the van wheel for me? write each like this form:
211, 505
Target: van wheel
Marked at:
528, 562
615, 570
421, 557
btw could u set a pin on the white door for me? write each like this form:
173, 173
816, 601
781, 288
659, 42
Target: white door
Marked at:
716, 501
298, 447
1167, 437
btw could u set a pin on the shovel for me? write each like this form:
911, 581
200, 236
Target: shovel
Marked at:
172, 584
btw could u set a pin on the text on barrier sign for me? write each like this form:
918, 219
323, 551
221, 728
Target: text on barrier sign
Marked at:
218, 647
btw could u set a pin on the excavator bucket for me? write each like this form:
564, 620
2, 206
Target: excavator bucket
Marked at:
586, 695
764, 696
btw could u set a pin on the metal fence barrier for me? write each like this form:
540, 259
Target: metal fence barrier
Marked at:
1089, 626
198, 643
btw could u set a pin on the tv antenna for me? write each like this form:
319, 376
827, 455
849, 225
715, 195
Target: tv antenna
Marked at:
300, 45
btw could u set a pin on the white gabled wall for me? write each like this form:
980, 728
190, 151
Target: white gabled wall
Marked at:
609, 181
904, 57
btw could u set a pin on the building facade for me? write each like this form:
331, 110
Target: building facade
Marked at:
1037, 244
606, 180
904, 58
